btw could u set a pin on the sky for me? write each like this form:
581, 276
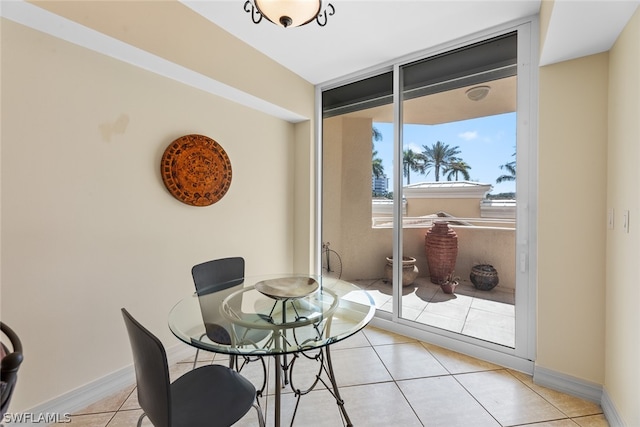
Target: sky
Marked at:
484, 143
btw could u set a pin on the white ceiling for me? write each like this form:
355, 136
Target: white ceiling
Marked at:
364, 34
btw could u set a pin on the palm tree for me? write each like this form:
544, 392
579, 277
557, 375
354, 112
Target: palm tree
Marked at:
377, 135
412, 161
378, 168
455, 167
511, 172
439, 155
376, 162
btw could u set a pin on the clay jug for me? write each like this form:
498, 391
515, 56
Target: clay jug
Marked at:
441, 247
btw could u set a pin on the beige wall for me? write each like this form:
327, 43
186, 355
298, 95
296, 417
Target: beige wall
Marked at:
87, 224
462, 208
158, 27
622, 371
572, 217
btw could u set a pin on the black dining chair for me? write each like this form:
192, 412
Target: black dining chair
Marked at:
212, 395
216, 276
11, 360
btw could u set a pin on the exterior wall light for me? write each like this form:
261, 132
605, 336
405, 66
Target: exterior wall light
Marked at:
289, 13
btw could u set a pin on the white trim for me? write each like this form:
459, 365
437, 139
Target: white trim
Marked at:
446, 190
567, 384
83, 396
42, 20
498, 209
610, 412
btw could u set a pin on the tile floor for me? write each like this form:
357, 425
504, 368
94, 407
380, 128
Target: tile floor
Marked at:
487, 315
391, 380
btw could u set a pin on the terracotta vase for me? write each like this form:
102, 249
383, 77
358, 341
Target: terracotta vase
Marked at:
441, 247
409, 270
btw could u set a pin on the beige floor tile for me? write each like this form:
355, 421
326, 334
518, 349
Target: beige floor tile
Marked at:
378, 405
441, 401
410, 360
128, 419
90, 420
109, 404
380, 337
457, 363
317, 408
570, 405
507, 399
557, 423
356, 340
356, 366
591, 421
131, 402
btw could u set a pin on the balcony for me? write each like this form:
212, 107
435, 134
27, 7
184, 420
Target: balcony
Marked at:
363, 248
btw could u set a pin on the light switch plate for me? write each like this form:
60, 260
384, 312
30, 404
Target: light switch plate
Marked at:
625, 221
610, 219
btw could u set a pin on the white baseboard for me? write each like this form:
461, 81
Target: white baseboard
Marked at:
610, 411
83, 396
580, 388
567, 384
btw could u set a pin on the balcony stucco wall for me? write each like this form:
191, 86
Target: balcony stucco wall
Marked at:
463, 208
347, 214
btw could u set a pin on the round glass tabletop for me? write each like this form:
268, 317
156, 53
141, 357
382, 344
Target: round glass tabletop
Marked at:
244, 320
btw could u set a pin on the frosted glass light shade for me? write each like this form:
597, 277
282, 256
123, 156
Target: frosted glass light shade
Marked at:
289, 13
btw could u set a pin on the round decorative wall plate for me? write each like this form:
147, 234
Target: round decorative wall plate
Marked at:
196, 170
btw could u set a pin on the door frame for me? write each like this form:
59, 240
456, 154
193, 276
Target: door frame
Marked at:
521, 357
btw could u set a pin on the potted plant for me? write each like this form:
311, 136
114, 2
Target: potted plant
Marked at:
449, 284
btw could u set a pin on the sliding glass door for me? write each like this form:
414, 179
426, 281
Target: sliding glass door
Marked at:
420, 196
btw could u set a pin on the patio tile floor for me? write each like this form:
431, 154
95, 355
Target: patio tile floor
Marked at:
487, 315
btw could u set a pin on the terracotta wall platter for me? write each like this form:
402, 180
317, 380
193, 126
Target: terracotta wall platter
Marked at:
196, 170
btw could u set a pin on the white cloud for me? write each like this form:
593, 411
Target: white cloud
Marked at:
414, 147
468, 135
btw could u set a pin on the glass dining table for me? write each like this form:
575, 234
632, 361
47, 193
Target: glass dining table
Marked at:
282, 316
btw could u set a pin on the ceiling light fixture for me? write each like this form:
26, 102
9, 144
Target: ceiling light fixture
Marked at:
290, 13
478, 93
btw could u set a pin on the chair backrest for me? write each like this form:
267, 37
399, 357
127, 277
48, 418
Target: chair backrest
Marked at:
11, 360
152, 372
218, 274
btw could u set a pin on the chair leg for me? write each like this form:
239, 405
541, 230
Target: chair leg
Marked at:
140, 419
196, 359
260, 415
